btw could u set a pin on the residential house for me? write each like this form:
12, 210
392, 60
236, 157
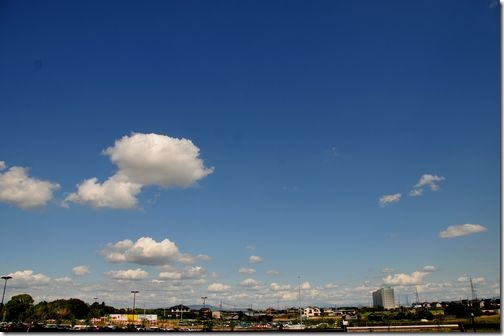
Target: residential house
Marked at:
311, 312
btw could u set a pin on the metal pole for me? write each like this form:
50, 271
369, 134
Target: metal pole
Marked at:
472, 321
299, 299
134, 298
3, 296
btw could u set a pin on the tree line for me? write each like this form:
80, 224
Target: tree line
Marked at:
21, 308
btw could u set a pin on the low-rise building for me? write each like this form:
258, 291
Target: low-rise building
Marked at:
311, 311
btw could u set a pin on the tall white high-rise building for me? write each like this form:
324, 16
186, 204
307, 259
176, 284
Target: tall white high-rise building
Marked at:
384, 297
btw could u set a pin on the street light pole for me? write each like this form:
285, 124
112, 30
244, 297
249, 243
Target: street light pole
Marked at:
134, 292
6, 277
299, 299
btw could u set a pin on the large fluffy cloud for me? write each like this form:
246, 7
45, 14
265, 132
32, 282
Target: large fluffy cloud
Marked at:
461, 230
193, 272
28, 278
112, 193
305, 285
23, 191
147, 251
218, 287
158, 159
130, 274
142, 159
402, 279
249, 282
386, 199
278, 287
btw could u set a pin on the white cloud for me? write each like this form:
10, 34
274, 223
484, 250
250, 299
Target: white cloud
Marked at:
289, 296
416, 192
331, 285
386, 199
272, 272
476, 281
388, 270
80, 270
130, 274
147, 251
193, 272
461, 230
305, 285
218, 287
153, 159
430, 180
142, 159
113, 193
63, 280
403, 279
203, 257
244, 270
25, 192
426, 180
27, 278
249, 283
277, 287
254, 259
429, 268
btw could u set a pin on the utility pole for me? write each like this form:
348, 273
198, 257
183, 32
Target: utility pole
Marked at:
299, 299
473, 290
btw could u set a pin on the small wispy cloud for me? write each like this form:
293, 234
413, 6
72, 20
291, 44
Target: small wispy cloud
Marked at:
272, 272
426, 180
387, 199
81, 270
461, 230
476, 280
255, 259
429, 268
244, 270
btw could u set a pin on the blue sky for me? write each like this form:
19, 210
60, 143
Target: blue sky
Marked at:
224, 148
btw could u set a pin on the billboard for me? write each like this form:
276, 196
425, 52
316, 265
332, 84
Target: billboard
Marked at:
133, 317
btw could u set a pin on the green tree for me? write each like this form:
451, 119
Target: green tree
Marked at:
18, 307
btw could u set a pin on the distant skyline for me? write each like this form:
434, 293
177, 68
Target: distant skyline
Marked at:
224, 148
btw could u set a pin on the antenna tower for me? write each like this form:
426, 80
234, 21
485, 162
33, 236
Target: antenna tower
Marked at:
473, 290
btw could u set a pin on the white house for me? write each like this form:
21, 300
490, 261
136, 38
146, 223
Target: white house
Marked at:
311, 311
